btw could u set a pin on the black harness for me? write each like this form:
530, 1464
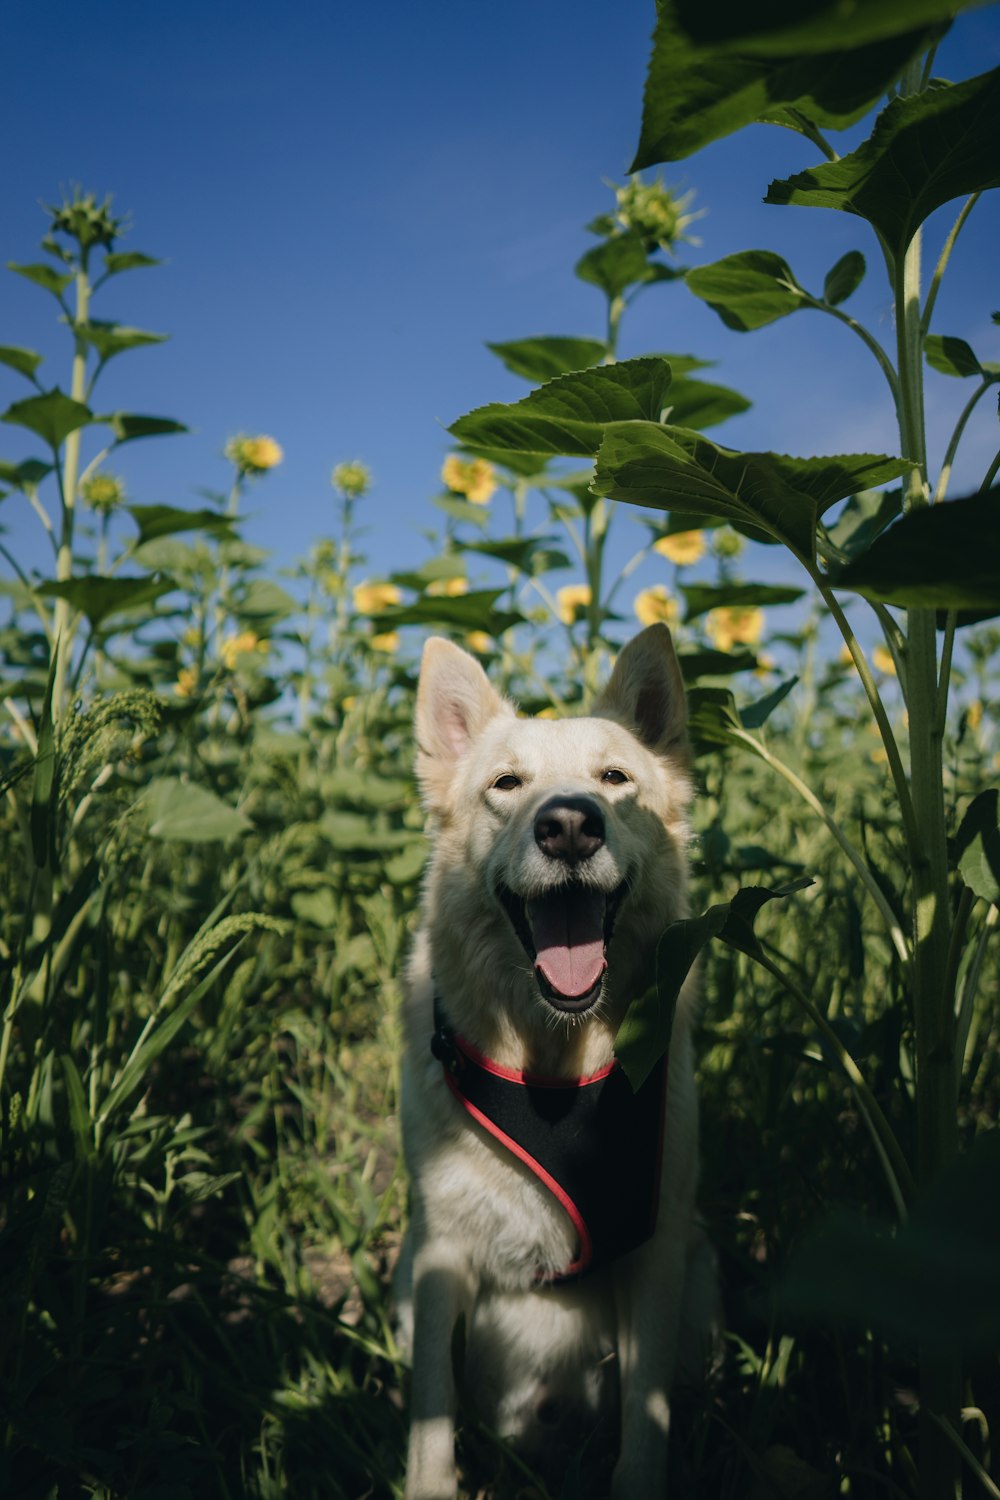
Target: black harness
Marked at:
596, 1144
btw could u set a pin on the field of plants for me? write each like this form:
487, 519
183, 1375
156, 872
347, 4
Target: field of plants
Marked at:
211, 846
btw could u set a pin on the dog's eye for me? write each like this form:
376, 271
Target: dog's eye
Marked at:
614, 777
507, 783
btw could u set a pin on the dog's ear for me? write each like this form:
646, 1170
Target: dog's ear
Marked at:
455, 702
646, 692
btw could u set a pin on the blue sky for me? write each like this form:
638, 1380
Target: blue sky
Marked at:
351, 199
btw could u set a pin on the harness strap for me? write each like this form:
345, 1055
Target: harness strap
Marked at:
594, 1143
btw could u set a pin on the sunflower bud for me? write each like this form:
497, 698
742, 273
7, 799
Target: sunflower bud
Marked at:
253, 455
351, 480
103, 492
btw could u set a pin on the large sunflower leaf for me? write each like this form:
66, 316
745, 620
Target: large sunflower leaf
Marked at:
570, 414
925, 149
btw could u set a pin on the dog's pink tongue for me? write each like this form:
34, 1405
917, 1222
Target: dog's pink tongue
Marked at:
568, 932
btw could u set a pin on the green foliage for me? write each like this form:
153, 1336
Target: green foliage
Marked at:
210, 850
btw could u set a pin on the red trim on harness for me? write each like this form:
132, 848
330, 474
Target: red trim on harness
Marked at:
586, 1250
535, 1080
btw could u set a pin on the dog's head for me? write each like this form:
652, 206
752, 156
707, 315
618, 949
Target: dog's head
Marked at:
558, 844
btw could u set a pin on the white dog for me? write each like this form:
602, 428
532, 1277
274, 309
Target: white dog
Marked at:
551, 1206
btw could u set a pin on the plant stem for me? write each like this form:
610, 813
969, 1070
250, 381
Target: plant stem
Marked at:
943, 258
71, 470
934, 1014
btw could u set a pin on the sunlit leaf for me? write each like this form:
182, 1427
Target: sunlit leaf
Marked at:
110, 339
25, 361
42, 275
127, 426
52, 416
670, 468
183, 812
263, 600
698, 93
543, 358
128, 260
925, 149
977, 845
166, 520
798, 26
700, 404
570, 414
748, 290
98, 598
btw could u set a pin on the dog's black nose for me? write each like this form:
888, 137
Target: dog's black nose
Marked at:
569, 828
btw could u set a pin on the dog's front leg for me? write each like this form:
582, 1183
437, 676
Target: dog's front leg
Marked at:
442, 1291
649, 1287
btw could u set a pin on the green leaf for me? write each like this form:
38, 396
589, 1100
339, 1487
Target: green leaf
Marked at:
52, 416
619, 263
27, 475
977, 845
166, 520
644, 1034
98, 597
701, 597
797, 26
543, 358
938, 557
163, 1033
950, 356
844, 278
464, 510
183, 812
129, 260
44, 276
26, 361
127, 427
461, 612
865, 515
699, 403
755, 715
710, 663
925, 150
570, 414
79, 1114
523, 553
110, 339
671, 468
353, 832
698, 93
319, 908
748, 290
261, 599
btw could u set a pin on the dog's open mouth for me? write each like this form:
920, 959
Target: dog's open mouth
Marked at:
566, 933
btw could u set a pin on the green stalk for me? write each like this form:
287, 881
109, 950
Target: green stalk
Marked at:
934, 1015
70, 477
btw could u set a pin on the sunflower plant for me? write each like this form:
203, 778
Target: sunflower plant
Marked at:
880, 528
